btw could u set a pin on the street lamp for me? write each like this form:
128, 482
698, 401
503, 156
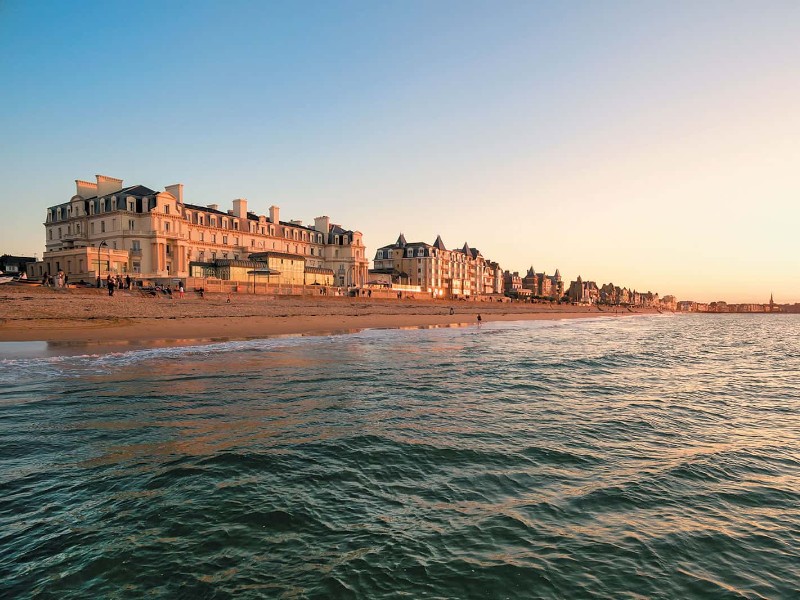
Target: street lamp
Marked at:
100, 245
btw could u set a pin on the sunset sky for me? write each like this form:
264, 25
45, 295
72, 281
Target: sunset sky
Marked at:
652, 145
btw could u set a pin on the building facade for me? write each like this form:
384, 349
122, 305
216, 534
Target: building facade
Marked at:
107, 228
442, 273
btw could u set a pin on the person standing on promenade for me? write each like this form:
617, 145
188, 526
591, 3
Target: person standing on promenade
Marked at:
180, 291
128, 281
110, 285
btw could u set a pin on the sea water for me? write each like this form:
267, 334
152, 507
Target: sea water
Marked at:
640, 457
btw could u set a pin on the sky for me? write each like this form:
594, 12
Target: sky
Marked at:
655, 145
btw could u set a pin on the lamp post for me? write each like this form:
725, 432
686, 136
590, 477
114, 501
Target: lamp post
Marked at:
100, 245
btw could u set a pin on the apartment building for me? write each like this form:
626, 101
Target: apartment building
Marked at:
108, 228
462, 273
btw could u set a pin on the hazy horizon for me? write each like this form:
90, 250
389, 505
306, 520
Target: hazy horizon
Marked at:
653, 146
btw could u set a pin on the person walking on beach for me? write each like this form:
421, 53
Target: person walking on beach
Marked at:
479, 320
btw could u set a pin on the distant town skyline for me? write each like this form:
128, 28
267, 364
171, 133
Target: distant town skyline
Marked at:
651, 146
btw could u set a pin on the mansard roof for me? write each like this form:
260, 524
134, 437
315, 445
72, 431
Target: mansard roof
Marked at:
401, 241
531, 272
132, 190
204, 209
439, 244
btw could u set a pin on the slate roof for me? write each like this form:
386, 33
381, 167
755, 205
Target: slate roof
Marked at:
131, 190
205, 209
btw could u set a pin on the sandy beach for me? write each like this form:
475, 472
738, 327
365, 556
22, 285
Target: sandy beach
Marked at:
32, 313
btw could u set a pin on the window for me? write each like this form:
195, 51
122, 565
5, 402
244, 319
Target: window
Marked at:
102, 226
91, 228
137, 267
213, 238
50, 233
77, 228
236, 225
169, 250
166, 209
252, 242
202, 236
131, 224
135, 245
236, 241
132, 206
224, 239
166, 226
212, 221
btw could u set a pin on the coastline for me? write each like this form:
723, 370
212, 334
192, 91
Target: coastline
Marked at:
129, 319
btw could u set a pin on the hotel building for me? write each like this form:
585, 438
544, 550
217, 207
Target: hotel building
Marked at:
442, 273
107, 228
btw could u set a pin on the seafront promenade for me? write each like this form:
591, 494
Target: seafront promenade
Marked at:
36, 313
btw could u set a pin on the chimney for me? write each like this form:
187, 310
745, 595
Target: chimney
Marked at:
85, 189
322, 224
177, 191
106, 185
275, 214
213, 206
296, 222
240, 208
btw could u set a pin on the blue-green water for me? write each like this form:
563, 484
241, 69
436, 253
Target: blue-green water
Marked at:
647, 457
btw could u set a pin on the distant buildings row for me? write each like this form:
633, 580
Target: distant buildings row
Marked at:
107, 229
588, 292
721, 306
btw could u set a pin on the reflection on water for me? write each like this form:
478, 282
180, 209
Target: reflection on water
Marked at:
652, 457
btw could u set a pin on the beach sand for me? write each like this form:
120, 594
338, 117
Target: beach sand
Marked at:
33, 313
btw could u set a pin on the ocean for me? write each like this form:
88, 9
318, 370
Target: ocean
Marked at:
638, 457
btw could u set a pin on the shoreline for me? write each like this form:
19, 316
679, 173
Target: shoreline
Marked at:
87, 316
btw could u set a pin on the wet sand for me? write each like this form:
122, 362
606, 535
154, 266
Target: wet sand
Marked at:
31, 313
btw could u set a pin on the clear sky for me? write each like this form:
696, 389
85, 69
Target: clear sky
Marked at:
653, 145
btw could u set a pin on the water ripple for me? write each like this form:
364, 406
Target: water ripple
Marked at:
652, 457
